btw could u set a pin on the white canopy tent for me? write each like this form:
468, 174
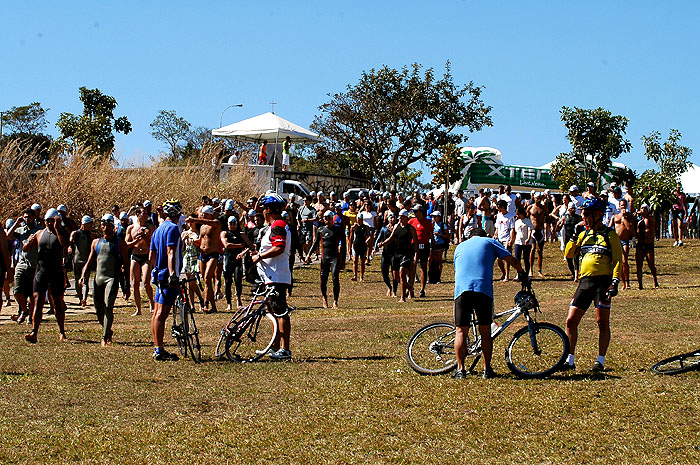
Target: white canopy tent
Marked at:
267, 127
690, 180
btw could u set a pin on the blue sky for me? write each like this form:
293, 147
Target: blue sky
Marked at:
635, 58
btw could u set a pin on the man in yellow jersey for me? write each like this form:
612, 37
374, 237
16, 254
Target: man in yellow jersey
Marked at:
601, 258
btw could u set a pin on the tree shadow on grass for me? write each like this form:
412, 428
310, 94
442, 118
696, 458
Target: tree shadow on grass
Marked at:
584, 377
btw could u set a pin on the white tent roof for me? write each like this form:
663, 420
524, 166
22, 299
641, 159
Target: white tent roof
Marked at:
269, 127
690, 180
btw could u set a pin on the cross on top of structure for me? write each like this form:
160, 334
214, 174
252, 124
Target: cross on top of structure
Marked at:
273, 103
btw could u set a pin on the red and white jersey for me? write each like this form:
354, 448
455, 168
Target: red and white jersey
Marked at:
276, 269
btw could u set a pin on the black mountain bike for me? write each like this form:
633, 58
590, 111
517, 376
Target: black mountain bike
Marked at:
681, 363
185, 330
535, 351
252, 330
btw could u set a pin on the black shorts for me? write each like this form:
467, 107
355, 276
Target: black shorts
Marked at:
401, 261
677, 214
49, 280
470, 302
278, 299
423, 253
592, 289
538, 235
140, 258
645, 247
209, 256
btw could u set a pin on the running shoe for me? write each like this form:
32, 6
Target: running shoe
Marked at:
459, 374
165, 356
598, 367
567, 367
269, 351
422, 294
282, 354
488, 374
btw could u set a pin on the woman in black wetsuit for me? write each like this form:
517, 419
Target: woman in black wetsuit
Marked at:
234, 240
52, 241
360, 237
331, 239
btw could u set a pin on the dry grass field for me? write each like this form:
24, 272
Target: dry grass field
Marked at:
348, 396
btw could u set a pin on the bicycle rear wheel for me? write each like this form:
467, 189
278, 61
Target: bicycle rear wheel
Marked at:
537, 355
431, 350
252, 338
678, 364
184, 325
192, 336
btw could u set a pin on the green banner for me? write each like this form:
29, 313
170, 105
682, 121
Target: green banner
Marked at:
525, 176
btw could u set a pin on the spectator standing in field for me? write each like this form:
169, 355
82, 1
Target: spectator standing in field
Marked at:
51, 242
307, 215
286, 153
624, 224
370, 219
646, 229
441, 242
679, 211
524, 231
110, 256
165, 260
190, 262
81, 243
469, 221
457, 214
473, 294
601, 254
505, 234
576, 198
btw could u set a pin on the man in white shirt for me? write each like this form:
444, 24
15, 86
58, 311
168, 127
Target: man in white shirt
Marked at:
576, 198
510, 198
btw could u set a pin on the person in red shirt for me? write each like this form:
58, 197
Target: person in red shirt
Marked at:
424, 234
262, 156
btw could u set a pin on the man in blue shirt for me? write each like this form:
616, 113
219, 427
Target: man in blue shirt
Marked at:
165, 257
473, 260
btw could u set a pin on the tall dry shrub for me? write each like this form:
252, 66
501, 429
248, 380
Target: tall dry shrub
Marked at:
87, 185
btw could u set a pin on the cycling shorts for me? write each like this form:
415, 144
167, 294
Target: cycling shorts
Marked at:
278, 299
423, 253
592, 289
470, 302
166, 295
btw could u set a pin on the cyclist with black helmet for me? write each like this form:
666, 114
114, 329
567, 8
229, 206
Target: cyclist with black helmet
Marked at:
165, 257
601, 258
272, 260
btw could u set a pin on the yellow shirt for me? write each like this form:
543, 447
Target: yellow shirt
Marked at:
352, 217
599, 257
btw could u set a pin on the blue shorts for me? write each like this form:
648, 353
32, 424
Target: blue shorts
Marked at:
166, 295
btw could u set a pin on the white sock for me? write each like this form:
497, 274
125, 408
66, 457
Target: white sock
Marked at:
570, 359
601, 359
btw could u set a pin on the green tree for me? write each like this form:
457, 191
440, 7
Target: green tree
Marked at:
22, 127
392, 119
447, 167
408, 181
171, 129
565, 171
655, 187
25, 119
597, 138
95, 128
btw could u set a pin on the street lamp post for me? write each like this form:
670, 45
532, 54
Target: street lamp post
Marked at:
221, 118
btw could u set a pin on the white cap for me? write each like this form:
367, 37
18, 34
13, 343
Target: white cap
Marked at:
436, 213
51, 213
36, 206
86, 219
215, 200
147, 203
547, 191
403, 212
123, 215
232, 219
292, 197
590, 184
329, 213
321, 193
573, 188
332, 193
386, 195
62, 208
313, 193
208, 209
229, 204
9, 223
107, 218
285, 214
644, 205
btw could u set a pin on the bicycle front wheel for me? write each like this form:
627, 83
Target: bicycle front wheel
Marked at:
431, 349
538, 354
177, 329
252, 338
192, 336
678, 364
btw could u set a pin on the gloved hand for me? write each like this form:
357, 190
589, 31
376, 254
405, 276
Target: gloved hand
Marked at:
612, 290
173, 280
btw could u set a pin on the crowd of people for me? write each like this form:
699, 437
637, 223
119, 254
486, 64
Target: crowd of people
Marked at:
228, 242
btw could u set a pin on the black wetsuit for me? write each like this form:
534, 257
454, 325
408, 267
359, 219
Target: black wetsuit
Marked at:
49, 270
233, 267
329, 239
405, 250
359, 240
388, 252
